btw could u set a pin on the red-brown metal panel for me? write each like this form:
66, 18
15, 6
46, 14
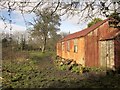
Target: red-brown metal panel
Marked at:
117, 52
91, 49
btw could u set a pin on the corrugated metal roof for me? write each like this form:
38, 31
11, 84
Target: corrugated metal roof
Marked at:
112, 35
84, 31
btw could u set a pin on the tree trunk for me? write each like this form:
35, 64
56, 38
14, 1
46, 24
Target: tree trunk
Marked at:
43, 49
44, 45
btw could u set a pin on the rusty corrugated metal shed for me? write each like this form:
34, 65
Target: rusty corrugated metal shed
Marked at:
84, 32
98, 46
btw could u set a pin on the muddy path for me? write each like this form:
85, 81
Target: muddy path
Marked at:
57, 78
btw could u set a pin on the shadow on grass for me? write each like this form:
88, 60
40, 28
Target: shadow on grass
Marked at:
108, 81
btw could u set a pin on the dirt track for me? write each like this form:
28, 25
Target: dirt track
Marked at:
56, 77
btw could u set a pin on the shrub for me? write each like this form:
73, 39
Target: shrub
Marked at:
75, 69
63, 67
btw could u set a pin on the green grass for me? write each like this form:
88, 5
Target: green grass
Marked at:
29, 73
37, 55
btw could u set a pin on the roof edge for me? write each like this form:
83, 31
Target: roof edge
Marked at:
86, 31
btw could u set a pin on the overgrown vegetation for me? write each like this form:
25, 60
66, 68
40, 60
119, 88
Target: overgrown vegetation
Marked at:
23, 71
32, 69
25, 66
76, 68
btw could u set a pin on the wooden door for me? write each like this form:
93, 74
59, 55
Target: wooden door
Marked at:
106, 54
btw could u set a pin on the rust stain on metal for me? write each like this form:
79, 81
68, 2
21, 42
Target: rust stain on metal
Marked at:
117, 52
96, 46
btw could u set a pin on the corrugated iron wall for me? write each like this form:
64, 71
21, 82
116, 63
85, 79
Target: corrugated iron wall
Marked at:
117, 52
76, 56
91, 49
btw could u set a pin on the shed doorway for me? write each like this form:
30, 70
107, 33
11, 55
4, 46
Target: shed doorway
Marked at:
106, 49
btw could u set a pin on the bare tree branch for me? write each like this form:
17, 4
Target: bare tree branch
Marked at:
34, 8
85, 9
56, 8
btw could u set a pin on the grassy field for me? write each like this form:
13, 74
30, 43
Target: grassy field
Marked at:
38, 70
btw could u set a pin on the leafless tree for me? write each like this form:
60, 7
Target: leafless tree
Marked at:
84, 9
